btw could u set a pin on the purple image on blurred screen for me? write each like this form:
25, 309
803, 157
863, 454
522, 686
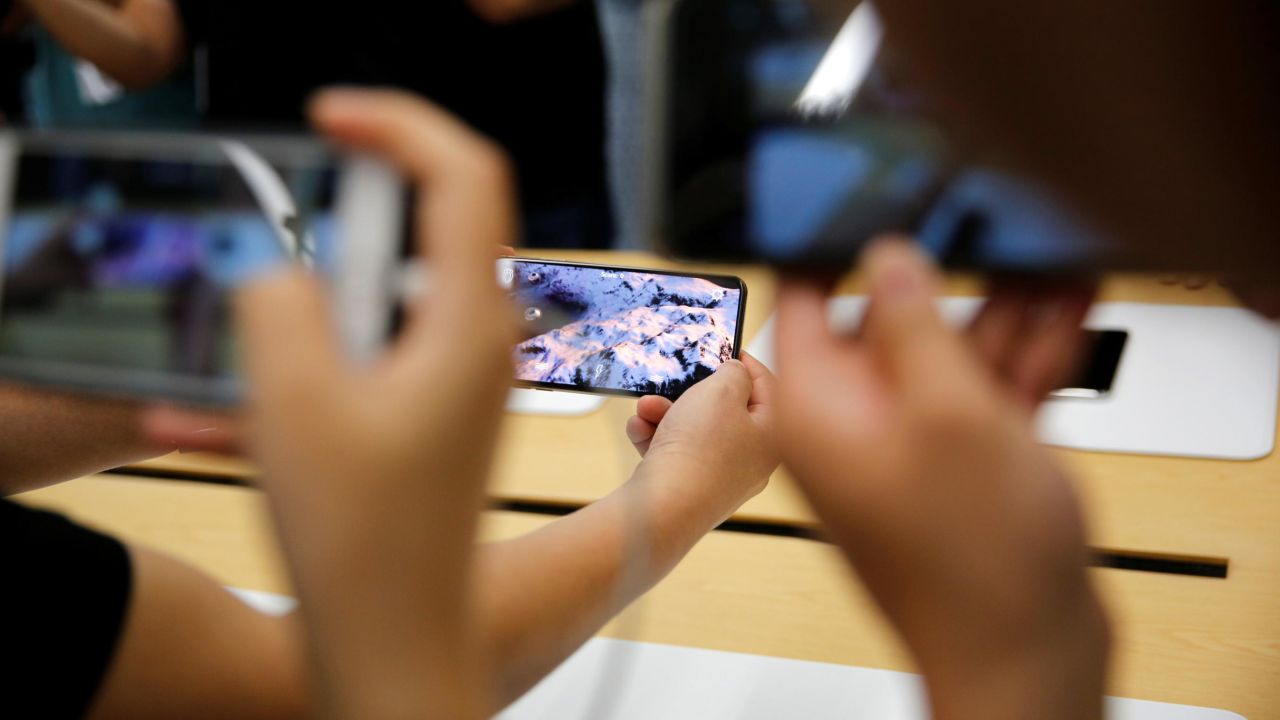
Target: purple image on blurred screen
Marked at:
146, 251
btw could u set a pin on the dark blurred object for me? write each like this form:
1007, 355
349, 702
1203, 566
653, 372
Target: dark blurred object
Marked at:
1007, 136
1160, 117
792, 137
16, 57
535, 85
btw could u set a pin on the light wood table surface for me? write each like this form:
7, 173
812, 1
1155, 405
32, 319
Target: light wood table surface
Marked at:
1180, 639
1164, 506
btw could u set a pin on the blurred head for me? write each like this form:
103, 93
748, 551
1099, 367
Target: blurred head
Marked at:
1160, 118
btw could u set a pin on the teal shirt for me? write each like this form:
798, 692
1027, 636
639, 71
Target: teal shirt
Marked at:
54, 97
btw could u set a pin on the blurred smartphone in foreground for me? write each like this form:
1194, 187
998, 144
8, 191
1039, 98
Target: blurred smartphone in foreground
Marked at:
119, 252
621, 331
786, 132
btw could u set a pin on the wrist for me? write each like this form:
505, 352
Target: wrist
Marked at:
685, 491
679, 506
1057, 670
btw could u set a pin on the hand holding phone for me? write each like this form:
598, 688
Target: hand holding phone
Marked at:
378, 472
119, 251
906, 443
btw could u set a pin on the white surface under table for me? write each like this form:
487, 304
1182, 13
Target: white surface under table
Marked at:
1192, 381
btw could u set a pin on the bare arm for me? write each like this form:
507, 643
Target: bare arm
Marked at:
526, 625
48, 437
376, 476
249, 665
139, 43
530, 625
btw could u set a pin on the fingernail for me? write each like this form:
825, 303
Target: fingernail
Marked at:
900, 282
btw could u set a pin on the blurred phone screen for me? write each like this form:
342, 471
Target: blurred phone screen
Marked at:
115, 259
793, 137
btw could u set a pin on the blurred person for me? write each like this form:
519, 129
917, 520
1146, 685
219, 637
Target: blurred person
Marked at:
984, 576
528, 73
922, 466
120, 654
65, 92
901, 407
914, 441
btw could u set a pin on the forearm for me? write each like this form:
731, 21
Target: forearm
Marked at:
383, 578
49, 437
544, 594
137, 45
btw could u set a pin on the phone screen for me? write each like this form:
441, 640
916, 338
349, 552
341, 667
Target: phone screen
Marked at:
118, 263
619, 330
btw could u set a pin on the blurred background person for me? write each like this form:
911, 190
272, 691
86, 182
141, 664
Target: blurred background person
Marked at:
528, 73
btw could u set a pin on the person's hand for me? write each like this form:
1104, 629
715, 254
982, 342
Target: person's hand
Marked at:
923, 468
376, 473
174, 427
713, 447
1029, 335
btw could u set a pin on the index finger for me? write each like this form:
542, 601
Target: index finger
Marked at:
902, 326
466, 203
803, 336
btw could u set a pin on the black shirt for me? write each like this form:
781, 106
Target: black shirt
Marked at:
62, 610
536, 86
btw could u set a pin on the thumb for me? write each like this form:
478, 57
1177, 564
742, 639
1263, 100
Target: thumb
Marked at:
733, 379
903, 327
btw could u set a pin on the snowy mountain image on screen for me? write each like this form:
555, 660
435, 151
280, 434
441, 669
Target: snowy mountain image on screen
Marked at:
622, 330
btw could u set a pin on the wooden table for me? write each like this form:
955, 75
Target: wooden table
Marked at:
1180, 639
1198, 640
1163, 506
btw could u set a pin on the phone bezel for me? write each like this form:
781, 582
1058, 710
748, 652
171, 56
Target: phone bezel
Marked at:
737, 332
362, 294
